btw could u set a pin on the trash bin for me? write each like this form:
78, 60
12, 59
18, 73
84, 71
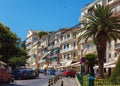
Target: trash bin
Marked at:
91, 81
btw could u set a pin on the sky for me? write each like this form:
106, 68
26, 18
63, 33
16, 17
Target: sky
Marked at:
46, 15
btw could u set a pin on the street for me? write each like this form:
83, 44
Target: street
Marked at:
39, 81
43, 81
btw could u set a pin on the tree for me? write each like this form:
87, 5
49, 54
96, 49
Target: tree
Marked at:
17, 61
7, 42
42, 33
9, 45
91, 61
116, 71
102, 27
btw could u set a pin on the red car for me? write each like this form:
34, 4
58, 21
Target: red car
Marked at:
70, 73
5, 76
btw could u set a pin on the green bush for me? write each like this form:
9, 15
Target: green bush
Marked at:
116, 72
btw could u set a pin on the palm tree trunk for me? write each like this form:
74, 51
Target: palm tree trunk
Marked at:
101, 50
92, 70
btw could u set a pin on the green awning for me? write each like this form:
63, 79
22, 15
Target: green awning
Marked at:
54, 58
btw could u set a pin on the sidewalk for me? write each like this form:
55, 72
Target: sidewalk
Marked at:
67, 82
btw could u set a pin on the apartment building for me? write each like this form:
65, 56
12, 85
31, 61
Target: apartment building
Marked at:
68, 49
50, 49
113, 46
54, 47
31, 42
43, 52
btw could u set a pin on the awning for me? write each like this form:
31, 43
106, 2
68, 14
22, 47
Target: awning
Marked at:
2, 63
45, 66
75, 64
105, 66
111, 66
54, 58
45, 55
59, 67
68, 63
50, 66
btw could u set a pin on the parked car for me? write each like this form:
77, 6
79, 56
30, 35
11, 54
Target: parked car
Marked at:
59, 72
50, 71
70, 73
41, 71
20, 74
32, 73
5, 76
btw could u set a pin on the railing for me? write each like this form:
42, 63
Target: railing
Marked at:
117, 46
83, 81
68, 49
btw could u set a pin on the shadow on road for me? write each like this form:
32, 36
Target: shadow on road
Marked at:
11, 85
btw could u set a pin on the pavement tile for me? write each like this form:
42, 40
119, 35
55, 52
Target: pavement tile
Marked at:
67, 82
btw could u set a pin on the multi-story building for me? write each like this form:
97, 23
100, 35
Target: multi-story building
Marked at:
111, 54
32, 38
43, 51
68, 49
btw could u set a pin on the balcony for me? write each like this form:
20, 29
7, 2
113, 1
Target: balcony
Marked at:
41, 46
68, 49
66, 40
50, 47
83, 20
28, 47
56, 45
117, 46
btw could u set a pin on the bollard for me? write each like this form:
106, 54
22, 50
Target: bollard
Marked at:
49, 83
61, 76
61, 83
54, 80
91, 81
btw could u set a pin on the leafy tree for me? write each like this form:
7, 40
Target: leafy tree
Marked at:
42, 33
91, 61
7, 42
116, 71
17, 61
9, 45
102, 27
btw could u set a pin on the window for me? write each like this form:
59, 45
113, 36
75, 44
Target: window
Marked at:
74, 54
109, 0
67, 45
109, 55
64, 56
115, 54
68, 35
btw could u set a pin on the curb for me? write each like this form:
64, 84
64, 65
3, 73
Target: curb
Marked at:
77, 81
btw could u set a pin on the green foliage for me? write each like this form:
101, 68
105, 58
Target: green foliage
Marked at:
17, 61
9, 45
116, 72
42, 33
91, 58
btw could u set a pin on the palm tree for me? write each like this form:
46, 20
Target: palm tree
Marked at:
102, 27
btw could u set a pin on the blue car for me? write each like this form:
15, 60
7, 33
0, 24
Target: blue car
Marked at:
50, 72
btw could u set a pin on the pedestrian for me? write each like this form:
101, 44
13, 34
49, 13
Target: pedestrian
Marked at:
45, 71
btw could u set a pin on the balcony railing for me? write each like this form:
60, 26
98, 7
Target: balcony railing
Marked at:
64, 40
50, 47
28, 47
68, 49
117, 46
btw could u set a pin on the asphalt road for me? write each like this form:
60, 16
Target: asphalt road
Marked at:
39, 81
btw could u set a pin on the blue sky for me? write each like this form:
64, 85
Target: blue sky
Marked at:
47, 15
